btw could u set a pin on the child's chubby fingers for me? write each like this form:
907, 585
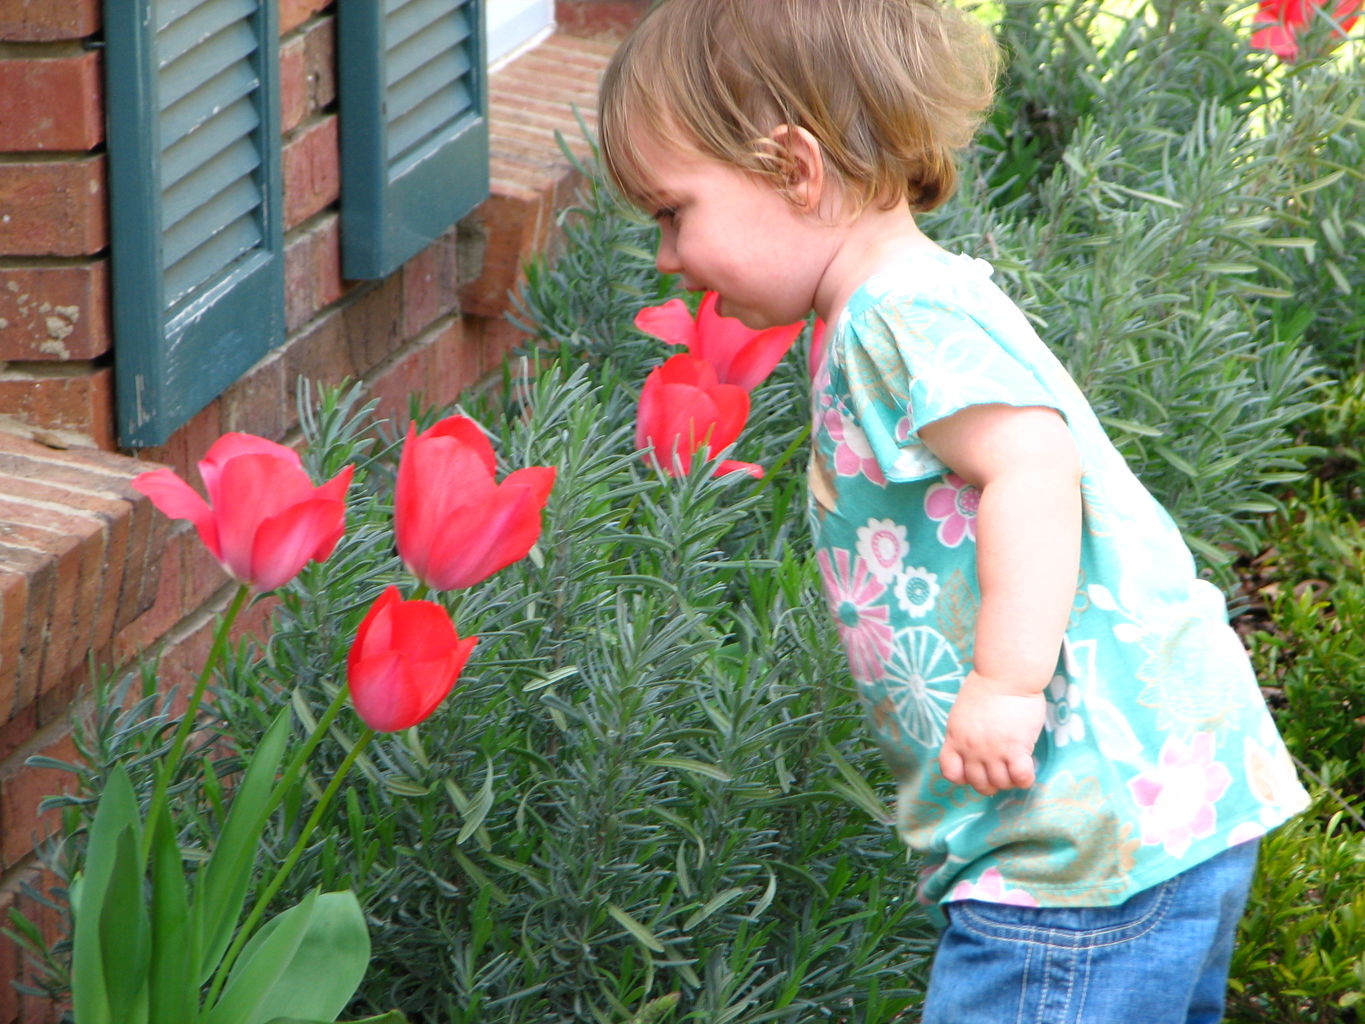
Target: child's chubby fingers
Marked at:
1021, 771
951, 765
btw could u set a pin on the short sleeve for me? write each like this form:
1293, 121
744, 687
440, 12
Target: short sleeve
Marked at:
910, 361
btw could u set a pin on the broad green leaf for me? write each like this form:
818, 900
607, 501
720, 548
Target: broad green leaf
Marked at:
392, 1017
117, 812
642, 934
222, 885
174, 994
478, 810
125, 942
688, 764
712, 905
305, 963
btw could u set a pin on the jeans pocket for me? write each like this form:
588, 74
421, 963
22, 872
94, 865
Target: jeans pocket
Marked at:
1075, 927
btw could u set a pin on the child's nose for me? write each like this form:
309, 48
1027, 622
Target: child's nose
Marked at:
666, 259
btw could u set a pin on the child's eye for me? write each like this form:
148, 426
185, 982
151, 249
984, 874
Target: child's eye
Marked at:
665, 213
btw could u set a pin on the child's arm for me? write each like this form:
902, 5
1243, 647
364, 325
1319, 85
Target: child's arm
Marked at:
1028, 529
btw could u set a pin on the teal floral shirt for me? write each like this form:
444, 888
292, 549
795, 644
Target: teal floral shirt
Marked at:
1158, 750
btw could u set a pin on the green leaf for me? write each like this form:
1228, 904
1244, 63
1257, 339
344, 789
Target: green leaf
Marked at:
688, 764
305, 963
174, 994
478, 810
642, 934
392, 1017
221, 888
125, 940
117, 812
712, 905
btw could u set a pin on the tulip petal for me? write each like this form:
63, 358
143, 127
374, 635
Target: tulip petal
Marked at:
672, 322
406, 658
735, 466
333, 490
253, 488
232, 446
753, 363
480, 540
284, 543
470, 436
178, 500
436, 476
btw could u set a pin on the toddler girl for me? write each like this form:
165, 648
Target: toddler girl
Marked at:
1082, 757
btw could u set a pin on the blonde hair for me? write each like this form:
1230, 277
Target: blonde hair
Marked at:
890, 89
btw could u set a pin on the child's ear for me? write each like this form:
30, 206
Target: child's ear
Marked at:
802, 166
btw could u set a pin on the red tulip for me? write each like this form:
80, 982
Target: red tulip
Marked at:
1284, 22
405, 659
738, 354
455, 525
264, 518
684, 408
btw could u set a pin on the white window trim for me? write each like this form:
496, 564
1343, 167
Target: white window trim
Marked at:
515, 26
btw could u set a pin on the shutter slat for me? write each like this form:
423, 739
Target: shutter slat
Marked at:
433, 118
443, 37
233, 83
432, 79
213, 257
234, 203
234, 163
190, 71
404, 19
199, 24
228, 129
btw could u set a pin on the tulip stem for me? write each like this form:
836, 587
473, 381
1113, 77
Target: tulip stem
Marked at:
263, 900
182, 733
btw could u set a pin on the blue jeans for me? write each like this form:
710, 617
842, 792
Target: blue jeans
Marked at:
1160, 958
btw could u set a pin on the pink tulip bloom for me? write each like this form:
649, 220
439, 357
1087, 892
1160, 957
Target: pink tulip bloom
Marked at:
1282, 23
455, 525
738, 354
683, 408
405, 660
264, 518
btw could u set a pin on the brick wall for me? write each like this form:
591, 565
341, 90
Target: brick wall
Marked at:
87, 568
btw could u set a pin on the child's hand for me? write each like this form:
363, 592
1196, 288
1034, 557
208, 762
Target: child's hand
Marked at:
991, 733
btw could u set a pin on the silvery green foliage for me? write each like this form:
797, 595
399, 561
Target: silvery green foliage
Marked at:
1142, 189
647, 799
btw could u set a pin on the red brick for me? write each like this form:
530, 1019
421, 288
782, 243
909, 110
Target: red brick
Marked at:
257, 402
373, 324
312, 171
22, 789
78, 399
609, 20
41, 583
53, 103
307, 73
17, 731
512, 227
166, 607
294, 13
14, 593
182, 452
414, 373
54, 313
312, 271
319, 354
53, 207
48, 20
430, 284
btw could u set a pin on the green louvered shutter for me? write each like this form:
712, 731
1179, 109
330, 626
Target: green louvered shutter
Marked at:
414, 126
195, 210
